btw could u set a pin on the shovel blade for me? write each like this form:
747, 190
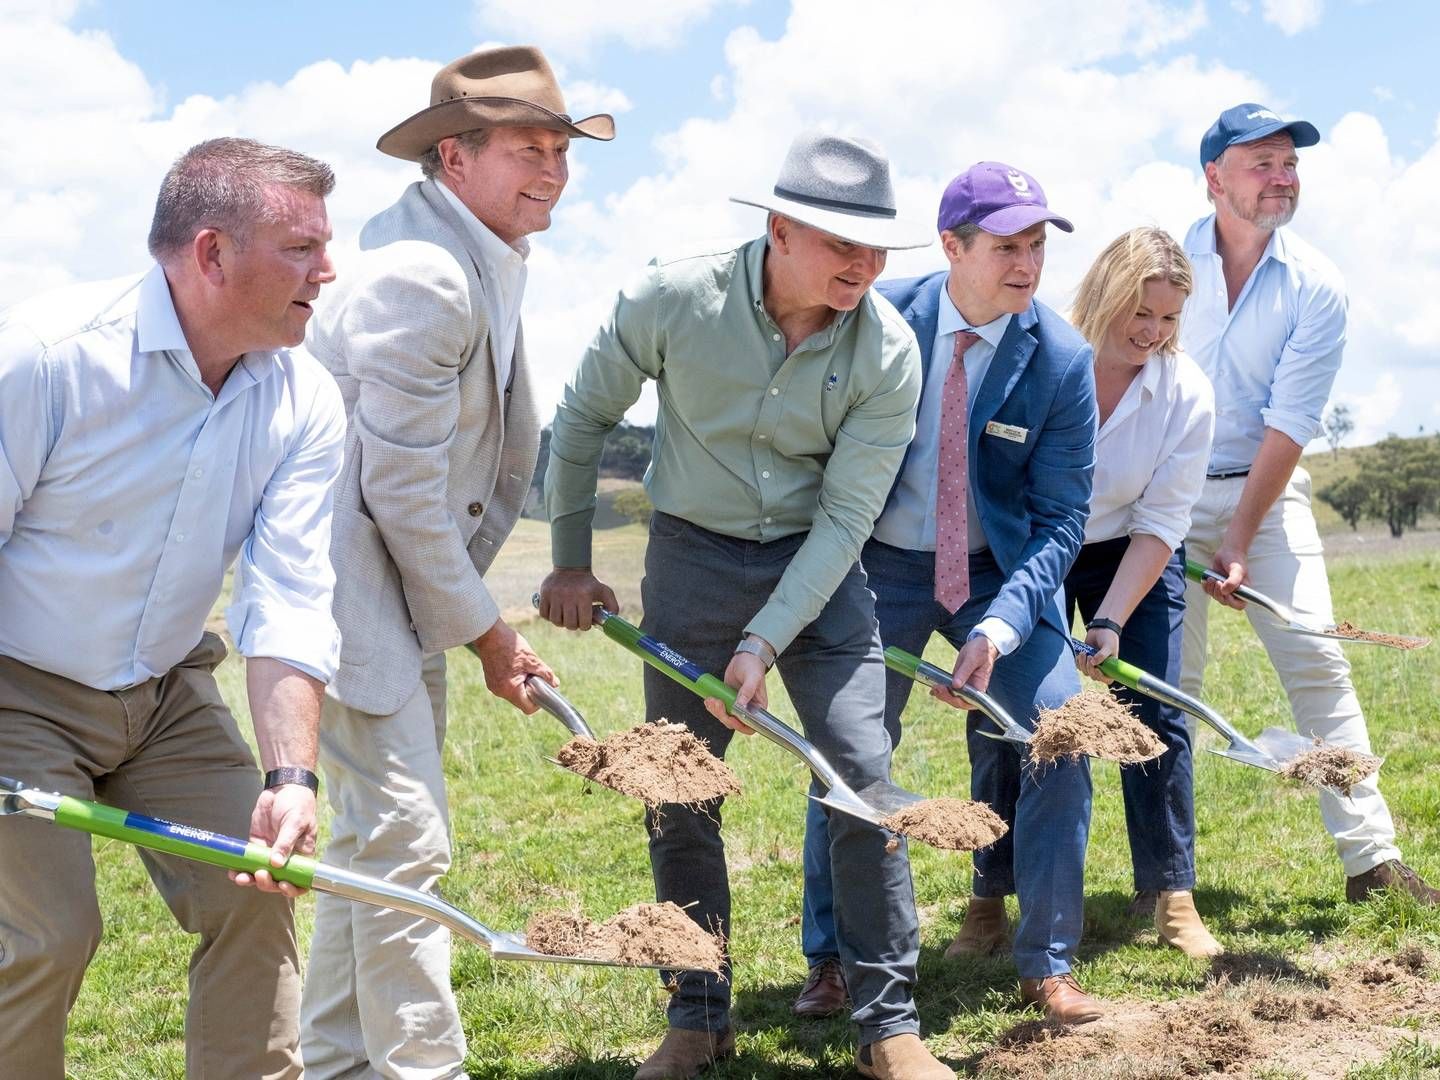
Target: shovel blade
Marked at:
1257, 758
1283, 745
873, 803
513, 947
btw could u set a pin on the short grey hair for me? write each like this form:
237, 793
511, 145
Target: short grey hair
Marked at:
965, 232
472, 140
226, 184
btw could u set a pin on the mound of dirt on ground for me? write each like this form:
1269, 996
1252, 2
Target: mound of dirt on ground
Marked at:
953, 824
1348, 631
1330, 766
1096, 725
644, 934
655, 763
1321, 1027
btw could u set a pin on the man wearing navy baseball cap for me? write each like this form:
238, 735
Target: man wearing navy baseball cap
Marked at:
1267, 323
984, 520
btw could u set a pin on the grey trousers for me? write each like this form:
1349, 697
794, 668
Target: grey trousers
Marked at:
700, 589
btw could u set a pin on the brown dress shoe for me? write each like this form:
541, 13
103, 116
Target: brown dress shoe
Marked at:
682, 1054
986, 930
1390, 875
1178, 924
1061, 998
900, 1057
825, 992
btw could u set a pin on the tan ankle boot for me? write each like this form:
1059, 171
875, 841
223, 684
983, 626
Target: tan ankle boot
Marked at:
986, 930
1178, 924
683, 1053
900, 1057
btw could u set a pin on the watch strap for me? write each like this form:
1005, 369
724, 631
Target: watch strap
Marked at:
291, 774
1104, 624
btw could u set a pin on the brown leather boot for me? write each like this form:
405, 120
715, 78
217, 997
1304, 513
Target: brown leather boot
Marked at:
986, 930
825, 992
1390, 875
900, 1057
1061, 998
682, 1054
1178, 924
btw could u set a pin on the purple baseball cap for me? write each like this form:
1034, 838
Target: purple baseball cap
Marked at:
998, 198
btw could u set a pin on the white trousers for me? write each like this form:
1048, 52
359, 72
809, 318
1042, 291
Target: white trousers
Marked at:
377, 1000
1287, 563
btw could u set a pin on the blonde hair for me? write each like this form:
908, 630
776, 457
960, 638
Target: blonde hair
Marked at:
1114, 285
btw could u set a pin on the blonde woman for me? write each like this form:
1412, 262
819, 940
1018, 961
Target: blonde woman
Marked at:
1157, 416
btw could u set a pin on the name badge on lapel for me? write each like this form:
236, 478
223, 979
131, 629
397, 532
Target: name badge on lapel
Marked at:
1007, 431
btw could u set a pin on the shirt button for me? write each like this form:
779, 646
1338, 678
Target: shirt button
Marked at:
774, 337
179, 538
765, 475
774, 390
199, 473
474, 509
763, 437
768, 520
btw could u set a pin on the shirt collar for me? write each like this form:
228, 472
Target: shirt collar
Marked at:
157, 327
495, 250
949, 321
1150, 375
1205, 243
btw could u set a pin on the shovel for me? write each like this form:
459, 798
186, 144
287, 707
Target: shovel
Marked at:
1271, 748
873, 803
1292, 624
927, 674
554, 703
231, 853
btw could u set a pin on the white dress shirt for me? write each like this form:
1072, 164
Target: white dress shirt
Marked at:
127, 489
503, 276
908, 520
1272, 358
1151, 453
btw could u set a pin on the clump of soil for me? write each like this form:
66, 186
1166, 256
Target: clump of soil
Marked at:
1096, 725
1331, 767
1348, 631
953, 824
655, 763
643, 934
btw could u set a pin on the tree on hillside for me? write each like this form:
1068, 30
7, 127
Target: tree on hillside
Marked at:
1337, 426
1349, 497
1397, 481
635, 505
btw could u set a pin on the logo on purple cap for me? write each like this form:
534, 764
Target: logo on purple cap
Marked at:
1020, 182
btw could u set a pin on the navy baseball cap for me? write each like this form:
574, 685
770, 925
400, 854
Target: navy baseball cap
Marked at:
999, 199
1248, 122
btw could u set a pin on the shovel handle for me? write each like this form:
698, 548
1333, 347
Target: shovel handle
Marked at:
927, 674
187, 841
1196, 572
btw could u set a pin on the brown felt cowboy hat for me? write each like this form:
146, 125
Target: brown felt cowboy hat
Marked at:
507, 87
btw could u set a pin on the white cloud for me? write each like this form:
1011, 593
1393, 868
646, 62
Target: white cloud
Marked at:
1373, 411
1293, 16
576, 27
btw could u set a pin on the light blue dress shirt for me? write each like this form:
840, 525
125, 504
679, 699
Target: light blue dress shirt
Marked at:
1272, 358
909, 518
127, 489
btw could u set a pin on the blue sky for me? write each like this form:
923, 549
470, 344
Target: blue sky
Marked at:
1104, 101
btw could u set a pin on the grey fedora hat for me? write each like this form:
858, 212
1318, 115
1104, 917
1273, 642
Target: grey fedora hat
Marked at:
840, 186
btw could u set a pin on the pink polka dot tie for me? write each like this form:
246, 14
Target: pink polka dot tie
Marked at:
952, 532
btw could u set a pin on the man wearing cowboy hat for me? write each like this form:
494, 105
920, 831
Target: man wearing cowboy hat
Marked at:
426, 344
787, 394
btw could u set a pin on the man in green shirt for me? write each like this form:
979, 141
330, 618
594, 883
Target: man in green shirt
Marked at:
787, 397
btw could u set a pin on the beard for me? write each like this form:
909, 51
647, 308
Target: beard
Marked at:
1269, 221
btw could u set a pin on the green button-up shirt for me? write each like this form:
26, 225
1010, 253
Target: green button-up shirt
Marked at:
749, 442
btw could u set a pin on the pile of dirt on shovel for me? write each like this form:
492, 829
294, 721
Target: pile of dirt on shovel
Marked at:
644, 934
655, 763
1331, 767
1096, 725
1348, 631
953, 824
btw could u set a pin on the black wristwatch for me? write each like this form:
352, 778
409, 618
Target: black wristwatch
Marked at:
291, 774
1105, 624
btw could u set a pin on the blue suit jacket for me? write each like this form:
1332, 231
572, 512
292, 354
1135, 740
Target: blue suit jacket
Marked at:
1033, 497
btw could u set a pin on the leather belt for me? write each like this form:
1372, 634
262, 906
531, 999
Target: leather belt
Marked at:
1227, 475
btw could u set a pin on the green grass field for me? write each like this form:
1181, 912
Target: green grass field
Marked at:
529, 837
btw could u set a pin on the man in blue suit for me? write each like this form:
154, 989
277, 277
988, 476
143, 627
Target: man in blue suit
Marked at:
985, 518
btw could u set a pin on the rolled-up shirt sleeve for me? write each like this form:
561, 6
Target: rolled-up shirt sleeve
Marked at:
1309, 363
1163, 509
284, 581
26, 420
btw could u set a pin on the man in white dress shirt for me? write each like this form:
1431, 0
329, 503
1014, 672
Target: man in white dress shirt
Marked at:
152, 432
425, 340
1267, 323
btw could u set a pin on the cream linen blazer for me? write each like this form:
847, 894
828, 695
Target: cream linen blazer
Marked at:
438, 456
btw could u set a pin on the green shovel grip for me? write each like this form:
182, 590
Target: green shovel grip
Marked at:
1195, 571
186, 841
666, 660
898, 660
1113, 668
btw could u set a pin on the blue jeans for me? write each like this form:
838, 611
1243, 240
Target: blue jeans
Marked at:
1159, 795
699, 591
1042, 857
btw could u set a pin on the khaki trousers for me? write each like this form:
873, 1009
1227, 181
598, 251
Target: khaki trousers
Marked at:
377, 998
168, 748
1287, 563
